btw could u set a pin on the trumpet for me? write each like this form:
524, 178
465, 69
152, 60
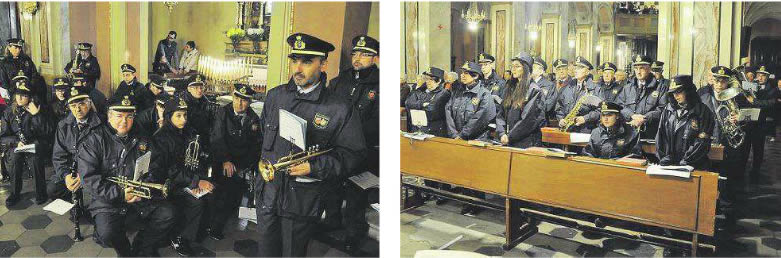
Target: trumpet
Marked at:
193, 153
267, 170
141, 189
733, 131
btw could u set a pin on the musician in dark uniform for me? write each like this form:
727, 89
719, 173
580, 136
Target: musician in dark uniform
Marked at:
521, 113
582, 85
144, 98
359, 85
684, 135
71, 131
166, 54
613, 138
16, 60
657, 68
151, 119
111, 150
491, 80
201, 111
561, 81
178, 157
156, 85
432, 100
735, 157
767, 99
289, 206
85, 63
26, 122
59, 104
547, 88
643, 98
471, 107
608, 87
235, 146
97, 98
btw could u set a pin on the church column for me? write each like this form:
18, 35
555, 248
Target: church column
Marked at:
281, 28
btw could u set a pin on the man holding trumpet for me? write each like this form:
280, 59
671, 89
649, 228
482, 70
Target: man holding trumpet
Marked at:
110, 152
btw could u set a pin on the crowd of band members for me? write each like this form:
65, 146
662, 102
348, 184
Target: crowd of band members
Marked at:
89, 138
645, 106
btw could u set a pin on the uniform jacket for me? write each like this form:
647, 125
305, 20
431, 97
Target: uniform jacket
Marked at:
522, 125
89, 67
469, 112
612, 145
10, 67
236, 141
103, 154
144, 98
648, 101
434, 102
37, 129
331, 124
707, 95
66, 143
59, 109
569, 96
496, 85
550, 95
171, 146
200, 113
685, 140
146, 122
169, 49
766, 99
363, 93
609, 92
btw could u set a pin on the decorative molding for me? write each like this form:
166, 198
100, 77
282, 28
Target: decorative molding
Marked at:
550, 38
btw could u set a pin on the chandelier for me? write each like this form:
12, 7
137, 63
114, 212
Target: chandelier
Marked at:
170, 5
473, 16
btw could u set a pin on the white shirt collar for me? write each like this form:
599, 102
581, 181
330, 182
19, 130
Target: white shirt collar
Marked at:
302, 91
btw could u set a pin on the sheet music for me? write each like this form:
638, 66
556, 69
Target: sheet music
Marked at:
419, 118
197, 196
678, 171
29, 148
248, 214
292, 128
4, 93
579, 137
365, 180
142, 165
257, 107
59, 206
749, 114
417, 136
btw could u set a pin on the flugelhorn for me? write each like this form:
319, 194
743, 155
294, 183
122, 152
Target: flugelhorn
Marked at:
193, 153
267, 170
141, 189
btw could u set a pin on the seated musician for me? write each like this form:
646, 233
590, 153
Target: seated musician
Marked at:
59, 104
432, 100
81, 121
685, 128
471, 107
111, 151
175, 144
151, 119
521, 113
97, 98
156, 85
613, 138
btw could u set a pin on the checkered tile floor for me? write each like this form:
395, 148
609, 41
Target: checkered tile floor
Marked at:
26, 230
432, 226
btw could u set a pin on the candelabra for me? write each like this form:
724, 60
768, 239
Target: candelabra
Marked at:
222, 74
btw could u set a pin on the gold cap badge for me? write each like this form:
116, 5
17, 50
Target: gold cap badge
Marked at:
299, 43
74, 92
243, 90
361, 42
638, 59
126, 101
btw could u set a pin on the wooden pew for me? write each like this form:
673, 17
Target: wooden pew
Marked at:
593, 186
554, 136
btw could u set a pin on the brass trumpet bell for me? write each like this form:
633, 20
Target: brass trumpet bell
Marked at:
141, 189
267, 170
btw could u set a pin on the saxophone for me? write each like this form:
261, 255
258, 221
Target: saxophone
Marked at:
74, 65
569, 120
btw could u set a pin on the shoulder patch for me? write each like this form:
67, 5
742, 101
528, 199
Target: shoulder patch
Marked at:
475, 101
320, 121
655, 94
371, 94
142, 146
620, 142
703, 135
694, 124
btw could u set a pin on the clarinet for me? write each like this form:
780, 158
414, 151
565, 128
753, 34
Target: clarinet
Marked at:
18, 119
76, 211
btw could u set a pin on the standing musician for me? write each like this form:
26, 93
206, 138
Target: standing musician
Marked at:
179, 155
521, 113
110, 151
144, 98
613, 138
549, 91
576, 95
432, 100
235, 144
26, 122
768, 97
289, 205
85, 64
608, 87
471, 107
491, 80
686, 126
643, 98
81, 121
